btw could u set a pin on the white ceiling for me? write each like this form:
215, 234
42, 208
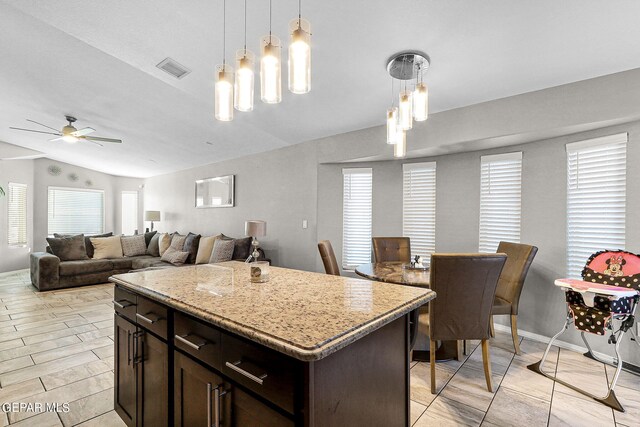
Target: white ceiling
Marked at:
96, 60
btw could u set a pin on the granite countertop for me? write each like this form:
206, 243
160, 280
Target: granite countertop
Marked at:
302, 314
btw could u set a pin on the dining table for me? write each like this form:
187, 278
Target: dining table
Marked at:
400, 273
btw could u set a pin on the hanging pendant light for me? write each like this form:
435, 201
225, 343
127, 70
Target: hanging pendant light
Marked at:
300, 54
270, 71
243, 100
400, 147
420, 99
392, 125
405, 110
224, 82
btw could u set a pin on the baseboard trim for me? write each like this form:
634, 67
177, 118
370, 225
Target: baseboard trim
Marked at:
567, 346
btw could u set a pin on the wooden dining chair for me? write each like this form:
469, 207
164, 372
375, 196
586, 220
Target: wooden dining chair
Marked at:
465, 286
389, 249
328, 258
510, 284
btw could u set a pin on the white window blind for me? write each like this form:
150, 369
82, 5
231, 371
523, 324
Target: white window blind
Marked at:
17, 214
76, 211
356, 217
500, 200
419, 207
596, 198
129, 212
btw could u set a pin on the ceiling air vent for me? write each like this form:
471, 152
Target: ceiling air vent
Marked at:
172, 67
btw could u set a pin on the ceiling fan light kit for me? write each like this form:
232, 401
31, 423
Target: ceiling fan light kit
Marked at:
408, 67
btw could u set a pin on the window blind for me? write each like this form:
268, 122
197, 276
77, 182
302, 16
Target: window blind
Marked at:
419, 207
356, 217
17, 214
75, 211
596, 198
500, 200
129, 212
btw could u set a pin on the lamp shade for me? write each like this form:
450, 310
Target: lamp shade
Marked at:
255, 228
152, 215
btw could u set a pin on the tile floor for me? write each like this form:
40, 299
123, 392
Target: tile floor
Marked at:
57, 347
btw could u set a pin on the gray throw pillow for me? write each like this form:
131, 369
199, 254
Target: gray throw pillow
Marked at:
222, 251
68, 248
153, 248
148, 236
133, 245
87, 241
191, 243
174, 256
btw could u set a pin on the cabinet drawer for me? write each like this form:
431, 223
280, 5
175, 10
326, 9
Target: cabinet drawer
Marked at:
199, 340
125, 303
265, 371
152, 316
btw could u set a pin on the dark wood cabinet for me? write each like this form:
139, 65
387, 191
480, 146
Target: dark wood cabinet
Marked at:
125, 395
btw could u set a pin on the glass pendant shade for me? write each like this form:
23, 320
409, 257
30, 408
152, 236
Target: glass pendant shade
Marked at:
224, 93
300, 56
270, 71
421, 102
392, 125
400, 147
405, 113
243, 89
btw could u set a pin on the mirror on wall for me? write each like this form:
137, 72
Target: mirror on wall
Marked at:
215, 192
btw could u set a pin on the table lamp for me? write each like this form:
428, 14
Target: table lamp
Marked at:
152, 216
255, 229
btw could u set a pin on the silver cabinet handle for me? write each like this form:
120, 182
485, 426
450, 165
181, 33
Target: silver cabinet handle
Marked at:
128, 347
236, 367
209, 417
138, 354
120, 304
196, 346
217, 395
147, 319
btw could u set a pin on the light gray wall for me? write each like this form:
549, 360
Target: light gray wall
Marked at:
18, 171
278, 187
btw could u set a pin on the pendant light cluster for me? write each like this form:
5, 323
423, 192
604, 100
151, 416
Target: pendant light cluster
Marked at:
408, 67
236, 90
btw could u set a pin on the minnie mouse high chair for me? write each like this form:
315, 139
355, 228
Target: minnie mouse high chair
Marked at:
604, 302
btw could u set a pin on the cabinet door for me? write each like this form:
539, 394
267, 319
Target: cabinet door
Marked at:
248, 411
125, 375
152, 362
194, 393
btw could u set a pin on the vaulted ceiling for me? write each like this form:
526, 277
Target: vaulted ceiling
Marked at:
96, 60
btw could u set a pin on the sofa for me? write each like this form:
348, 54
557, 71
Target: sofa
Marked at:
48, 272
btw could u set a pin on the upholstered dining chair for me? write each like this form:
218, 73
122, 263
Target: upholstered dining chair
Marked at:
389, 249
328, 258
510, 284
465, 285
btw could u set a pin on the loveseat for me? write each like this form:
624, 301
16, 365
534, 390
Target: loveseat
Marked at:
49, 272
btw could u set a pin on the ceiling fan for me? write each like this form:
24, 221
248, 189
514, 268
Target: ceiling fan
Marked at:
70, 134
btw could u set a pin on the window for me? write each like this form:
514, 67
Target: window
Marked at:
500, 210
129, 212
76, 211
596, 198
419, 207
356, 217
17, 214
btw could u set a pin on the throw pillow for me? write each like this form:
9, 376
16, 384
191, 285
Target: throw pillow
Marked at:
153, 248
87, 241
148, 236
242, 248
222, 251
133, 245
70, 248
164, 243
205, 248
174, 256
177, 241
191, 243
107, 247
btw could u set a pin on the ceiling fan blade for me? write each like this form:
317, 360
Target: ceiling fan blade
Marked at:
37, 131
83, 132
97, 138
38, 123
93, 142
56, 139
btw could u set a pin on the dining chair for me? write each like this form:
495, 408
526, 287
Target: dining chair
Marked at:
389, 249
510, 284
465, 286
328, 258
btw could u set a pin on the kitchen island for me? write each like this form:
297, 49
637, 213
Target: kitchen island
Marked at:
203, 345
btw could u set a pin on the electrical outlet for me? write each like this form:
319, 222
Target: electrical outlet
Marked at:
304, 224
